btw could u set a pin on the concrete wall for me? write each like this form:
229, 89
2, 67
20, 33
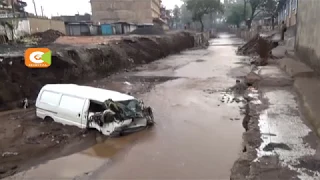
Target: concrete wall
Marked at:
132, 11
243, 33
40, 25
201, 39
24, 26
308, 30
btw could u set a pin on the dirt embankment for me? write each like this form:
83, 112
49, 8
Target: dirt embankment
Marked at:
72, 63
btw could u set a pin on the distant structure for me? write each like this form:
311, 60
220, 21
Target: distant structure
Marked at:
75, 18
6, 6
129, 11
78, 25
227, 2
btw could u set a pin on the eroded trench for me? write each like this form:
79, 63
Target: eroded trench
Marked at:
38, 141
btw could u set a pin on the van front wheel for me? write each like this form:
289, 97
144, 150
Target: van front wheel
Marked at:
49, 119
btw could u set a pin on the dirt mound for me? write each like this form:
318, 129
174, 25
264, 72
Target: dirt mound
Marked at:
48, 36
45, 37
149, 30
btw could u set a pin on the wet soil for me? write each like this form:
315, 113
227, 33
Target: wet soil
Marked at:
27, 141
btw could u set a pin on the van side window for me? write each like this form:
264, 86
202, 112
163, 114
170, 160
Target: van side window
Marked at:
96, 107
73, 104
51, 98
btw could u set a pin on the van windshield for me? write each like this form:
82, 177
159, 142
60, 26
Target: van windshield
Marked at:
125, 109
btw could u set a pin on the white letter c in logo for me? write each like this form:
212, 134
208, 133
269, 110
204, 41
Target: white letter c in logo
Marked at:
35, 57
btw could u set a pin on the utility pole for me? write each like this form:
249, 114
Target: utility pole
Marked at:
245, 10
12, 8
13, 20
42, 11
35, 7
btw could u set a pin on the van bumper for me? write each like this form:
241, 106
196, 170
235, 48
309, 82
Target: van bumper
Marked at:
136, 125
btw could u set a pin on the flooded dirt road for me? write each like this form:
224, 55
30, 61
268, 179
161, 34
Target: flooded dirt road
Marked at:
197, 135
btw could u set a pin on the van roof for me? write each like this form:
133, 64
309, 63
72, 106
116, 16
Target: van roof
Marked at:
96, 94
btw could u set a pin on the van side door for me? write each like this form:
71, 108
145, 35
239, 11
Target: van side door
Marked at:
70, 110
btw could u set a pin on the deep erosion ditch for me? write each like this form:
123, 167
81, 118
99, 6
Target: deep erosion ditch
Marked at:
249, 165
72, 64
242, 168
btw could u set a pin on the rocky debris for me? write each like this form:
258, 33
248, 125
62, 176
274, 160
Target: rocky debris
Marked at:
6, 154
252, 140
250, 47
252, 79
45, 37
239, 88
4, 39
149, 30
261, 46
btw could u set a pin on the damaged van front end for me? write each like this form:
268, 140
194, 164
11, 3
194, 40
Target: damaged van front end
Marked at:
121, 117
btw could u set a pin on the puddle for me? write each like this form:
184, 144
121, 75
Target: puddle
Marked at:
155, 79
112, 146
132, 85
273, 146
200, 60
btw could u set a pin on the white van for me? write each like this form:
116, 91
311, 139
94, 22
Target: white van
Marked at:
109, 112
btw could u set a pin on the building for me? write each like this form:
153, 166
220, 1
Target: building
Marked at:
130, 11
6, 6
307, 44
81, 29
287, 12
78, 25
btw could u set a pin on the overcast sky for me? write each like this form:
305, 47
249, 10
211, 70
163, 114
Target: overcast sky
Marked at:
71, 7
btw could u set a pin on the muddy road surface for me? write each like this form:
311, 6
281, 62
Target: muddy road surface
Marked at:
198, 134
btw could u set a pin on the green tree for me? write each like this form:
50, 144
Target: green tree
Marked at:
200, 8
256, 6
176, 15
270, 8
236, 15
170, 18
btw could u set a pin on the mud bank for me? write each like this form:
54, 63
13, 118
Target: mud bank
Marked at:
27, 141
72, 63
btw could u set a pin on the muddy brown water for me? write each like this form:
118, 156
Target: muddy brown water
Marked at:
193, 137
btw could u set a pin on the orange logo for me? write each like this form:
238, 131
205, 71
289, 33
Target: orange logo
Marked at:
37, 58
